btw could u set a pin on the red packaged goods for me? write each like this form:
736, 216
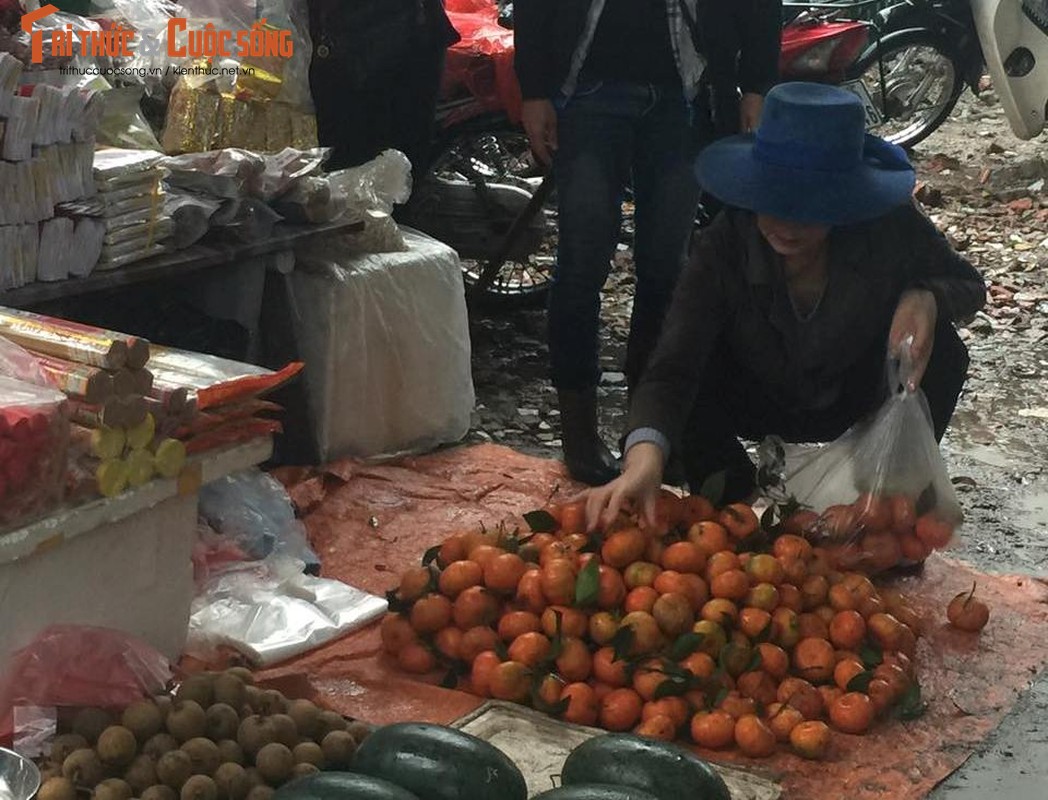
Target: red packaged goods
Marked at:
209, 420
73, 341
216, 381
232, 433
34, 437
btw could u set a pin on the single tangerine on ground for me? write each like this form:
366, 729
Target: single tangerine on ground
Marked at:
968, 613
753, 737
620, 710
714, 730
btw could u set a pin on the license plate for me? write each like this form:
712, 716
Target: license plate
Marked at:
873, 114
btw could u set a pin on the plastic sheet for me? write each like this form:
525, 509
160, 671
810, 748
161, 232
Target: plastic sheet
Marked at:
254, 511
192, 215
224, 173
270, 611
882, 489
480, 65
18, 363
387, 340
74, 666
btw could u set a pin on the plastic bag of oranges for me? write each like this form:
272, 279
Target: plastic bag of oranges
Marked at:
880, 496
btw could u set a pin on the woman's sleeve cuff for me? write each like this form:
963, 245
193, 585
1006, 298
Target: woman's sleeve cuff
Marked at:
648, 435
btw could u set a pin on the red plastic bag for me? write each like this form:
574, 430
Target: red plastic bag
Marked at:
79, 666
481, 64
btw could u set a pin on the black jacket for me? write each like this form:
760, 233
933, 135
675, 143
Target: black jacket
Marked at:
740, 39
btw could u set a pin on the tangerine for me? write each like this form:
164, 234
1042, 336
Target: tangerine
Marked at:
774, 660
620, 710
658, 727
811, 626
530, 649
791, 545
730, 585
737, 705
676, 708
558, 581
934, 532
785, 630
811, 739
881, 550
814, 591
510, 681
755, 622
583, 707
714, 730
699, 664
753, 737
684, 557
416, 659
845, 671
572, 622
602, 628
710, 537
609, 670
720, 562
913, 549
414, 583
396, 633
696, 509
721, 611
517, 623
763, 596
574, 664
739, 520
503, 572
641, 573
611, 588
782, 720
480, 672
459, 576
477, 640
449, 643
648, 677
757, 686
713, 636
454, 549
799, 694
647, 638
431, 613
904, 514
765, 568
673, 613
814, 660
881, 694
790, 597
847, 629
623, 548
852, 713
475, 606
529, 592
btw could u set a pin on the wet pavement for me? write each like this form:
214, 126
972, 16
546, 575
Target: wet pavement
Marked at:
986, 190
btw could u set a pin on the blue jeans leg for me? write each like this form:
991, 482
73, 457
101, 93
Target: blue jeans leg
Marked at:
596, 136
666, 192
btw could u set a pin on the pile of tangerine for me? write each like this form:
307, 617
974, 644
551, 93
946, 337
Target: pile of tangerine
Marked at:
669, 632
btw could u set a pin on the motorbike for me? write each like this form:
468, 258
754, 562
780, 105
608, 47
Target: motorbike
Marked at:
908, 61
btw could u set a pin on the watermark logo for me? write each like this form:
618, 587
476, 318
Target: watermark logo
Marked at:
258, 41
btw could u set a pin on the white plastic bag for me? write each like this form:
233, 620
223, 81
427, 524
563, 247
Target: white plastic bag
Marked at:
270, 611
882, 491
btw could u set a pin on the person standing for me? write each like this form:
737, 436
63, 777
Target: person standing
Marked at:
375, 76
614, 96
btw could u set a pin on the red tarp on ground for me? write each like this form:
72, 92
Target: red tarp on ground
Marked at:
970, 682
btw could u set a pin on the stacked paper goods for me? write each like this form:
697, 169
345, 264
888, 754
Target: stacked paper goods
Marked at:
46, 155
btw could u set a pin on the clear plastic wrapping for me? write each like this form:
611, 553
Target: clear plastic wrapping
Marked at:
271, 611
34, 437
254, 511
222, 173
192, 215
882, 491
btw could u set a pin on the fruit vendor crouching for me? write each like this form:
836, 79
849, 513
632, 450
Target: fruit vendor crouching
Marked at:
818, 270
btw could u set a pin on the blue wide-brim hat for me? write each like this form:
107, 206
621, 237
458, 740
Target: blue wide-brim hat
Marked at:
810, 161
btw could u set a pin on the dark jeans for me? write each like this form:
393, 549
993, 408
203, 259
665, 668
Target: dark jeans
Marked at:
609, 135
391, 109
730, 406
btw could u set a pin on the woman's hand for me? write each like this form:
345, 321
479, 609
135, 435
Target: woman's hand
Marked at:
639, 484
916, 316
540, 123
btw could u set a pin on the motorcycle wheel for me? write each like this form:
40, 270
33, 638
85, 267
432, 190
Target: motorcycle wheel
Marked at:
922, 81
501, 155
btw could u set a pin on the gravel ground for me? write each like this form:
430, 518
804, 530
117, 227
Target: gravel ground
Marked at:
986, 190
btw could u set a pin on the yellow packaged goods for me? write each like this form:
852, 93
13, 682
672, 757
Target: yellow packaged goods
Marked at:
139, 437
192, 123
141, 467
113, 477
170, 458
278, 127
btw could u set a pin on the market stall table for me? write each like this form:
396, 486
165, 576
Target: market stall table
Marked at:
122, 563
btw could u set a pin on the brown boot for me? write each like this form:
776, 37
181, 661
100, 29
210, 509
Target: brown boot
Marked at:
586, 456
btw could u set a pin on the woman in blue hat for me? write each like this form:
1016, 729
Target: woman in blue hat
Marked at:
819, 269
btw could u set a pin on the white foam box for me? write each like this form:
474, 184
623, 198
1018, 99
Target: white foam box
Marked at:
123, 563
